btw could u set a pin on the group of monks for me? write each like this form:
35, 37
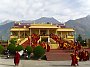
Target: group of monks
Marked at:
34, 42
83, 55
34, 39
79, 55
63, 44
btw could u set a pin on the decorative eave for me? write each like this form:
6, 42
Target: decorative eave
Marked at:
19, 29
66, 29
46, 26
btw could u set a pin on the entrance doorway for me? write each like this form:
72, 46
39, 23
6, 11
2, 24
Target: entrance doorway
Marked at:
43, 32
44, 39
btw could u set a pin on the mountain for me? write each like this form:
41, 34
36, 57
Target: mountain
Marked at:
25, 21
46, 20
41, 20
81, 25
5, 29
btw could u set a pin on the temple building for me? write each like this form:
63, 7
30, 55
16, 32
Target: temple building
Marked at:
35, 34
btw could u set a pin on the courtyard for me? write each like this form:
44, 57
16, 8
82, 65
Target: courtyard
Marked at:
41, 63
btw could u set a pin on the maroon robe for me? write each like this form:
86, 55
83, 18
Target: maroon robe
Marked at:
87, 55
48, 48
73, 60
16, 58
80, 56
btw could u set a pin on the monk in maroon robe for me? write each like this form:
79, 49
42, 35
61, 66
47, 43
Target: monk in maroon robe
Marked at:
48, 48
83, 55
80, 55
73, 60
87, 55
16, 58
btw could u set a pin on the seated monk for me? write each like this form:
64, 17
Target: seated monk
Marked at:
64, 45
87, 55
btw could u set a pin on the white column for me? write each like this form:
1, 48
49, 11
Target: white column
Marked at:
67, 34
56, 32
39, 31
61, 34
19, 34
24, 34
30, 31
48, 31
30, 36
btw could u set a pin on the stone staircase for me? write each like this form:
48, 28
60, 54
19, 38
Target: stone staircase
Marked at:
58, 55
54, 46
25, 42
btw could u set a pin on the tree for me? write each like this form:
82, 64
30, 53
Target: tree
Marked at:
38, 51
82, 42
13, 41
19, 48
29, 50
79, 38
1, 49
11, 48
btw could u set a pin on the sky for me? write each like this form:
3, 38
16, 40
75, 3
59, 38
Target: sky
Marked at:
62, 10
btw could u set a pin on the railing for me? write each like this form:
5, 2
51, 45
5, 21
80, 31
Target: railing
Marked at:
13, 36
23, 41
71, 37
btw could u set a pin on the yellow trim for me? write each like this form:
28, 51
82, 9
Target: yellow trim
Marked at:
66, 29
19, 29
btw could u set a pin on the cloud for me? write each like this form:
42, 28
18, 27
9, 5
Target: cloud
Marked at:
62, 10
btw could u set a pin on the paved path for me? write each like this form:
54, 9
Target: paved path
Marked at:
36, 63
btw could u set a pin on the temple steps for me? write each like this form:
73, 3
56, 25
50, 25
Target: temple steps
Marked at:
26, 43
23, 41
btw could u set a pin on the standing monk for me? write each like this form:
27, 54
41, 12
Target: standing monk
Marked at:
48, 47
73, 59
16, 58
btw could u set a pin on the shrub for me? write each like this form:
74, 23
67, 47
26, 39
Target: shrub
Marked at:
13, 41
19, 48
11, 48
38, 51
29, 50
1, 49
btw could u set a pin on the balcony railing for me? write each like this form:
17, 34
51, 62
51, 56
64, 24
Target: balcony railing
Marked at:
13, 36
70, 37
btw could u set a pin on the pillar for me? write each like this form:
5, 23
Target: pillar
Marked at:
24, 34
39, 31
19, 34
48, 31
30, 36
61, 34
